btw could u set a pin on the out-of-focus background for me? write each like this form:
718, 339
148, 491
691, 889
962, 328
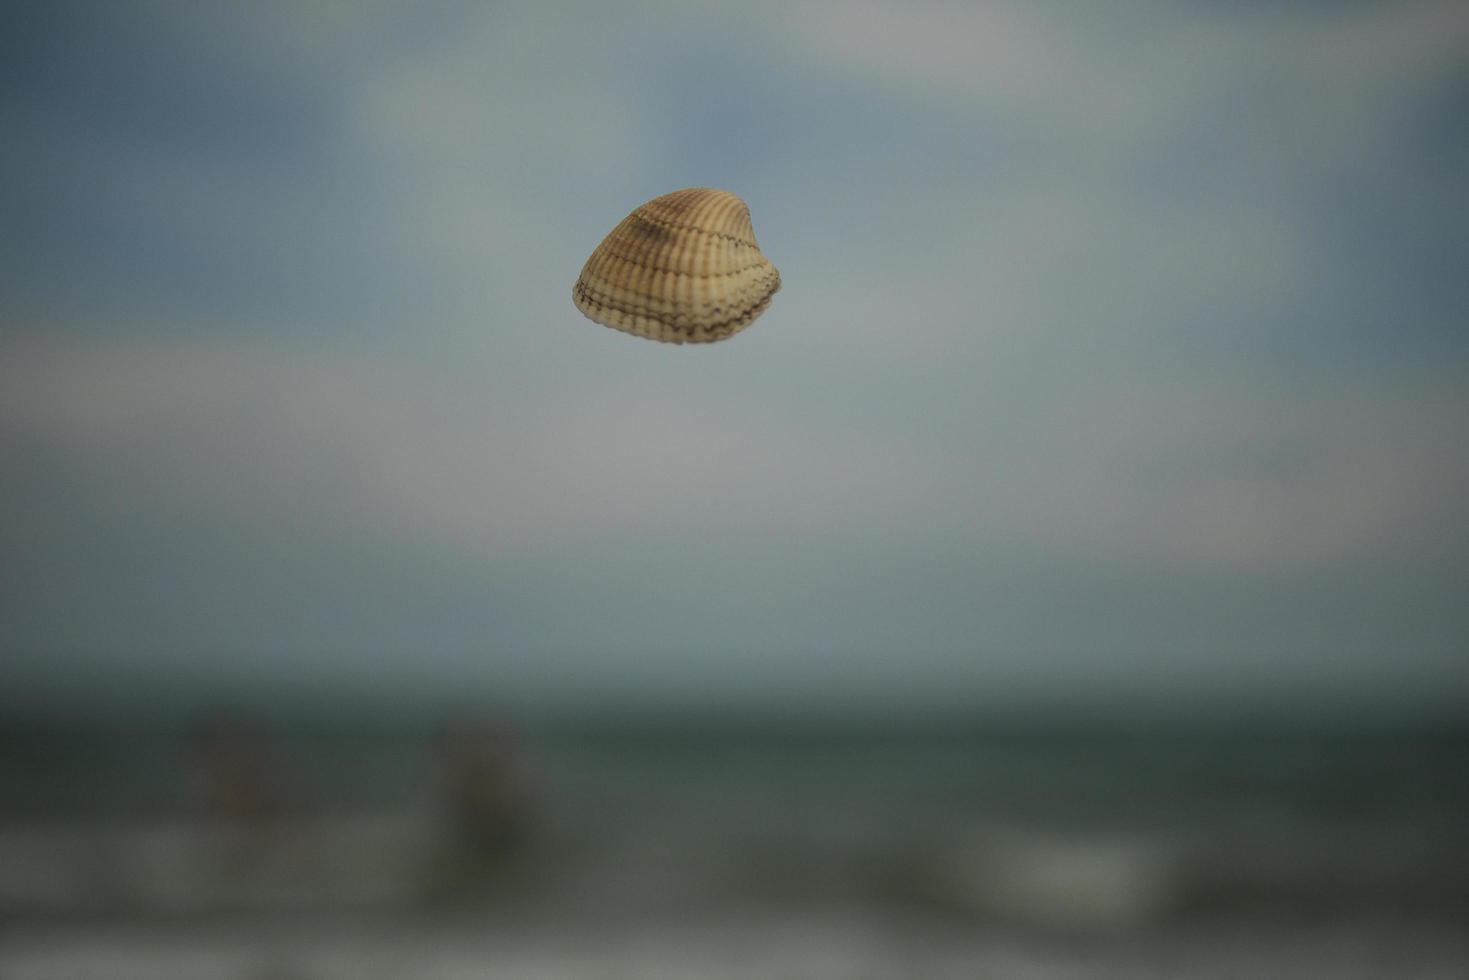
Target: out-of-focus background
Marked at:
1064, 578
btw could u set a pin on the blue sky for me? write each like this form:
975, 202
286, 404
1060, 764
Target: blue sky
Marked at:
1121, 354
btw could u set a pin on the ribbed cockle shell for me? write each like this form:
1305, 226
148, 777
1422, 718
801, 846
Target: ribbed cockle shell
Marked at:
683, 268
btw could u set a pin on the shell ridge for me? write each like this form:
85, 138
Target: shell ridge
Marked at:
680, 226
749, 299
678, 320
679, 272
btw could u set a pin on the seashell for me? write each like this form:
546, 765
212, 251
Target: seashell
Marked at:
683, 268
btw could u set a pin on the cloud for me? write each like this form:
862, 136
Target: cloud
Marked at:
1404, 44
1158, 172
1013, 58
1140, 65
415, 453
1300, 483
432, 455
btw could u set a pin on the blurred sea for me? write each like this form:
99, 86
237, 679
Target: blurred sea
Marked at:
729, 850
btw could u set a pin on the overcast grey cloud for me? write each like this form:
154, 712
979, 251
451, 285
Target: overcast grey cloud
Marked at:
1120, 355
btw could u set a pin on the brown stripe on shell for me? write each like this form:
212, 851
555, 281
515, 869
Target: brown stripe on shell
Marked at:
682, 268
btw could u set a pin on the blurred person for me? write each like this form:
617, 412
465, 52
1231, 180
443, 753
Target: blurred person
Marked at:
237, 785
486, 792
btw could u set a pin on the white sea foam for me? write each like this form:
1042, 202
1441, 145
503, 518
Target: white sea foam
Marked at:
1066, 881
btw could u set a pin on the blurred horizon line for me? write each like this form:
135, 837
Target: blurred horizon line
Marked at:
303, 712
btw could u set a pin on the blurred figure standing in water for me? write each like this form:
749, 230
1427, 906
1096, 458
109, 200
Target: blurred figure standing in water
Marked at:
236, 784
487, 792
